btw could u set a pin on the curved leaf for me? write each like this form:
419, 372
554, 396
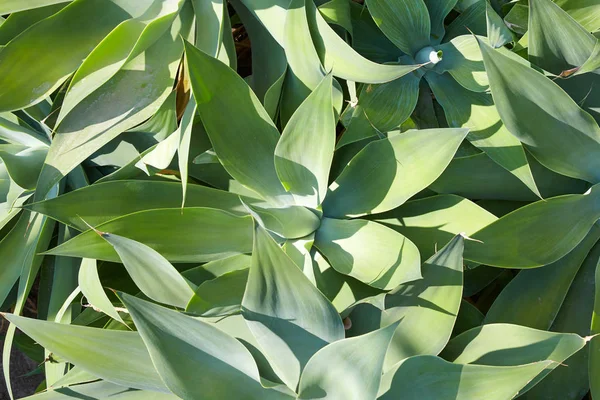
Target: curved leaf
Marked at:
194, 235
291, 222
438, 11
369, 252
116, 356
388, 172
91, 287
428, 377
305, 150
220, 296
405, 22
288, 316
347, 369
244, 144
537, 234
463, 60
562, 136
103, 202
534, 297
195, 359
512, 345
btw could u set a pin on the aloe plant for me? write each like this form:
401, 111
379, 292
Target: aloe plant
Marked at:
436, 237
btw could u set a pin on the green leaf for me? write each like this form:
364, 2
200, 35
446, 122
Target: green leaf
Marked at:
463, 60
304, 153
594, 363
562, 136
534, 235
497, 32
337, 12
512, 345
209, 26
534, 297
405, 23
244, 144
100, 390
180, 235
476, 111
388, 172
150, 271
368, 40
432, 222
214, 269
342, 60
23, 163
585, 12
592, 64
347, 369
556, 41
194, 359
388, 105
116, 356
220, 296
438, 11
62, 41
369, 252
468, 317
432, 301
289, 317
428, 377
103, 202
91, 287
130, 97
574, 317
13, 6
290, 222
487, 180
473, 18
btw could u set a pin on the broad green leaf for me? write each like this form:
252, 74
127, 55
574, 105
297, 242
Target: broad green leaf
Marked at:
585, 12
512, 345
438, 11
367, 38
497, 32
388, 105
337, 12
488, 180
347, 369
305, 71
594, 366
150, 271
342, 60
194, 359
426, 308
369, 252
23, 163
432, 222
100, 390
534, 297
12, 132
122, 45
217, 268
62, 41
91, 287
536, 234
562, 136
574, 317
291, 222
428, 377
477, 111
305, 150
220, 296
405, 22
556, 41
180, 235
116, 356
592, 63
103, 202
473, 18
388, 172
130, 97
462, 59
289, 317
244, 144
209, 25
12, 6
342, 290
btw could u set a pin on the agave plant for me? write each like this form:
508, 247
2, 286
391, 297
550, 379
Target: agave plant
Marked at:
397, 262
